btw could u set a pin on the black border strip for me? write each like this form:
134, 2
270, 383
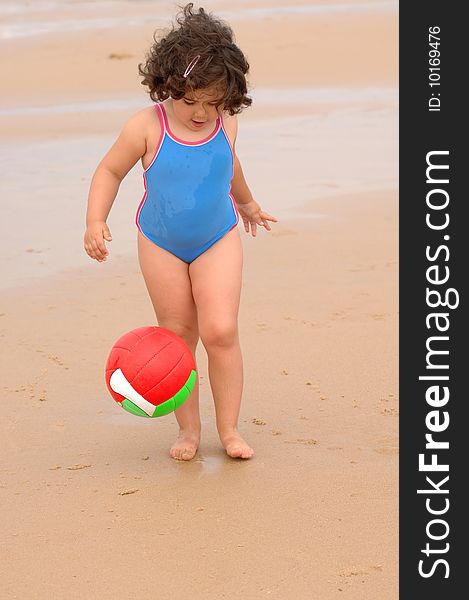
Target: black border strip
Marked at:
432, 270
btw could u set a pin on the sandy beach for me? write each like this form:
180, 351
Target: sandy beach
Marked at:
92, 504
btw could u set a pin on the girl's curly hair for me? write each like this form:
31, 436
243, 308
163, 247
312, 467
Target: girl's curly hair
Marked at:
221, 65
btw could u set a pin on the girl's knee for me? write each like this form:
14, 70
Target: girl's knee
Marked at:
219, 335
187, 331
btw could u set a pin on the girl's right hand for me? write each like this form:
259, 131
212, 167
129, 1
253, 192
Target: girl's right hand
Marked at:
95, 235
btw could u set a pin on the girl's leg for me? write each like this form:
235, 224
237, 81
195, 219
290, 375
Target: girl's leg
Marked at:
168, 283
216, 287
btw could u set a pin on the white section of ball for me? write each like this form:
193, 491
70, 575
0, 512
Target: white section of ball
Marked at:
121, 386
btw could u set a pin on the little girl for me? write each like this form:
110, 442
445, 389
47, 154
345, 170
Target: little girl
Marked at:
189, 246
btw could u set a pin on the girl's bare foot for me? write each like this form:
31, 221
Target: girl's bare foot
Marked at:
185, 447
234, 445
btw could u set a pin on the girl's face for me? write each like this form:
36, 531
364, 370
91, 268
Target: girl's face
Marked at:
197, 109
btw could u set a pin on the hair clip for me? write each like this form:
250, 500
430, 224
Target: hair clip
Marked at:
190, 66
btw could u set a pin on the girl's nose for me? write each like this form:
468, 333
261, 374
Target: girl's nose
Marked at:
200, 114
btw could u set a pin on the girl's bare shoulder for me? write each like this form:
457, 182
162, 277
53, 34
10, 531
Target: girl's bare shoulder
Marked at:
230, 123
145, 122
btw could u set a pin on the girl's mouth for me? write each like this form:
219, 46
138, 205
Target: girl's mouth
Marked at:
198, 123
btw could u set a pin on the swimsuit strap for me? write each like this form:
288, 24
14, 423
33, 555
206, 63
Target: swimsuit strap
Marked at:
160, 113
222, 123
167, 130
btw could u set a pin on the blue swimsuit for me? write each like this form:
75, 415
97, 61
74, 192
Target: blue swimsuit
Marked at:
188, 205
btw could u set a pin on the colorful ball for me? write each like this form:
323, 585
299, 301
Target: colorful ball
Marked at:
150, 371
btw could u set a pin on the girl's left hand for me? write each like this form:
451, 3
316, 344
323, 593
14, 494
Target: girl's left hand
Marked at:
253, 216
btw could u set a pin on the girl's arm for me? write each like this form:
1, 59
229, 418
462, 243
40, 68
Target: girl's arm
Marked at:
239, 187
249, 209
129, 147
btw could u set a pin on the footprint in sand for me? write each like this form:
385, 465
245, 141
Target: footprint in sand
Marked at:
353, 572
302, 321
390, 412
129, 492
306, 442
378, 316
356, 571
258, 421
54, 358
57, 360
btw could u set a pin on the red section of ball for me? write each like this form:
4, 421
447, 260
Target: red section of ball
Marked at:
155, 361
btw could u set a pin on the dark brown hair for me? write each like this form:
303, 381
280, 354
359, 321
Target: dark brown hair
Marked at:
221, 65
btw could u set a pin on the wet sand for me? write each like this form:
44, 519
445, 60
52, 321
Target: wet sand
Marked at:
92, 505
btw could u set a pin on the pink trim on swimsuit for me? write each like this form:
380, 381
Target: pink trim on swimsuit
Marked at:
233, 201
157, 150
185, 142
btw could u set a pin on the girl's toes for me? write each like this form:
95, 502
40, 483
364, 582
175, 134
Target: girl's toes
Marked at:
185, 447
234, 451
237, 447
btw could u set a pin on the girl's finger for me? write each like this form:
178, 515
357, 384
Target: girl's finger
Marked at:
253, 228
269, 217
90, 251
263, 223
96, 250
246, 225
101, 245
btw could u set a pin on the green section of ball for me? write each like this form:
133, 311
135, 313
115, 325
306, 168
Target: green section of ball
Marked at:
175, 402
165, 407
133, 408
180, 397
